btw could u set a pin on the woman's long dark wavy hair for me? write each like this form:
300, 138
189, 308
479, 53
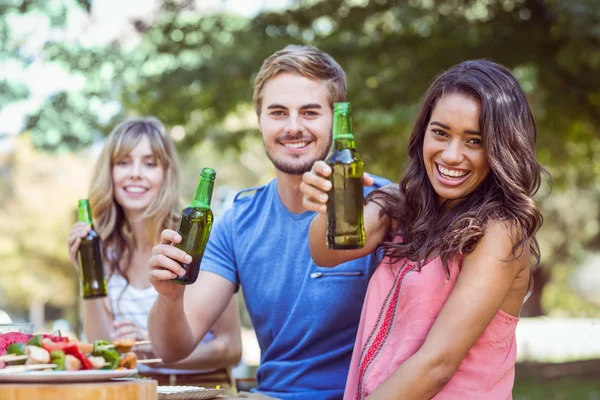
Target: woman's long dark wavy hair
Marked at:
509, 135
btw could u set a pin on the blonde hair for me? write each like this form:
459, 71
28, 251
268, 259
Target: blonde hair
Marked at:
109, 218
306, 61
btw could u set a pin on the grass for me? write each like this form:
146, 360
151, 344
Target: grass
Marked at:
558, 389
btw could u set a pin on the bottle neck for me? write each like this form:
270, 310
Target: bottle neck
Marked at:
343, 138
84, 214
343, 143
203, 194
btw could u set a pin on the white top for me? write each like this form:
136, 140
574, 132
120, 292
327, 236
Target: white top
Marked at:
132, 304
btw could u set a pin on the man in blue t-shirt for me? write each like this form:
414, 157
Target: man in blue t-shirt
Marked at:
305, 317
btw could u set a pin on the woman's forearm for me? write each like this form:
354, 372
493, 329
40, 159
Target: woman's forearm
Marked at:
418, 378
97, 319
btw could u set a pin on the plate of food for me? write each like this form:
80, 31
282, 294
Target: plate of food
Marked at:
53, 358
51, 376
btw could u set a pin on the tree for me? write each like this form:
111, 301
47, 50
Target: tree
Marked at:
391, 52
195, 71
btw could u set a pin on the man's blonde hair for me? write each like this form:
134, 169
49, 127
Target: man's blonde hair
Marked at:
306, 61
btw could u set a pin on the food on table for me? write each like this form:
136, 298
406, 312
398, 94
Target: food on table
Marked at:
124, 345
67, 355
6, 339
72, 363
36, 355
128, 360
97, 362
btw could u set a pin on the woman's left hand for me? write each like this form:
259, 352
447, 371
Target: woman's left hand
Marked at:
128, 330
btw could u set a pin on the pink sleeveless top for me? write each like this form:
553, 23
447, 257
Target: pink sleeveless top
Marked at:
400, 308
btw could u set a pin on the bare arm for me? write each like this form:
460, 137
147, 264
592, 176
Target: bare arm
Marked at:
97, 319
224, 350
480, 291
176, 325
315, 186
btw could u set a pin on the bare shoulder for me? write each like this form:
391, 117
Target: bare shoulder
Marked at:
498, 244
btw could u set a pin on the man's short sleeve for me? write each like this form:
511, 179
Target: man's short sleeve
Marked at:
219, 256
379, 182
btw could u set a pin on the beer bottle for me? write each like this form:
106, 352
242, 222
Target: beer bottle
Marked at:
91, 268
194, 226
345, 223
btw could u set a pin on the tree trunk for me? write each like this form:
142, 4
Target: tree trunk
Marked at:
533, 305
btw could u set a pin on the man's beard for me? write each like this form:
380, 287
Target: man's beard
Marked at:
293, 168
299, 167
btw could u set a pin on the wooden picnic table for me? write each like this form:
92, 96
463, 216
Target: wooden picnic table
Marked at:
131, 389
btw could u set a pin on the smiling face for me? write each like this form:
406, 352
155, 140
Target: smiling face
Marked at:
453, 152
295, 122
137, 178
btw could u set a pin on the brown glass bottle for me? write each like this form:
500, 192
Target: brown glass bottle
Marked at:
345, 220
91, 267
195, 225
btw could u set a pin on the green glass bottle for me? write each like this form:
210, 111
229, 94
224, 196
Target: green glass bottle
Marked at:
345, 222
91, 267
195, 225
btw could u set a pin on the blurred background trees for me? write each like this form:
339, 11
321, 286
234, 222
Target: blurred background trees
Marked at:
194, 69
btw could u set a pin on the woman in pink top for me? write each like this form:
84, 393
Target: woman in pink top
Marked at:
458, 236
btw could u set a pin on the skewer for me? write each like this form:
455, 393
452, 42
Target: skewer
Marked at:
150, 361
12, 357
23, 368
138, 343
144, 361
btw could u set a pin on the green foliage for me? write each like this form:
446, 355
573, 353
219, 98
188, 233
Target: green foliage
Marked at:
390, 52
556, 389
195, 71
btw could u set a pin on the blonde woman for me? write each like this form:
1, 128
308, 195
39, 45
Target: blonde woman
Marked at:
134, 196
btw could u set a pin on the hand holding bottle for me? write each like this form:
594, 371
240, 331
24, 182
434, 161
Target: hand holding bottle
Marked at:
89, 255
166, 265
79, 231
316, 185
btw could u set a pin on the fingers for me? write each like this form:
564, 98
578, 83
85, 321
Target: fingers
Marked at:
73, 247
79, 230
126, 329
169, 236
314, 187
162, 275
127, 332
313, 193
312, 179
368, 180
123, 323
309, 201
172, 252
163, 262
321, 168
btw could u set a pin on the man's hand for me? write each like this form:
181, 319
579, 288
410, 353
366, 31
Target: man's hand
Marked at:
165, 265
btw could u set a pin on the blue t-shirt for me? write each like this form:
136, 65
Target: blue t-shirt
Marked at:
305, 317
